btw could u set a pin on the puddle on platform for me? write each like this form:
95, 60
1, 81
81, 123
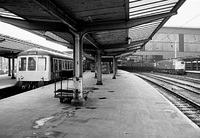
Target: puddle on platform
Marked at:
90, 88
91, 107
70, 114
53, 133
47, 134
102, 98
111, 91
77, 108
42, 121
57, 116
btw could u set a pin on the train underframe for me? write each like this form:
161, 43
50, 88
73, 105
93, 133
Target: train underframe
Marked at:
171, 71
57, 76
27, 85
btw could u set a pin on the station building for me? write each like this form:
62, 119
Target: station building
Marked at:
170, 42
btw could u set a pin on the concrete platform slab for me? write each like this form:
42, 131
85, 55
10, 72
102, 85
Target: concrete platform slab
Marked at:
125, 107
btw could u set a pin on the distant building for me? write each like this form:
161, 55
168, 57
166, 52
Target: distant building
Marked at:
185, 40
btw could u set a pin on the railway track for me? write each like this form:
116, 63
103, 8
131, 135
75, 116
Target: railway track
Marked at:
180, 77
185, 98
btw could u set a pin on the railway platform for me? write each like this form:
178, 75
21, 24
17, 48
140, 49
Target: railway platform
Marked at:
6, 81
125, 107
193, 73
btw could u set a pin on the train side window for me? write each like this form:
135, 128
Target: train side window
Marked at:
66, 67
22, 64
41, 66
71, 64
63, 64
31, 63
60, 64
55, 64
67, 64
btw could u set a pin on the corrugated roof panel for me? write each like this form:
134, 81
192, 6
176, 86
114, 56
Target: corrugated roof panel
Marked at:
143, 31
5, 13
139, 8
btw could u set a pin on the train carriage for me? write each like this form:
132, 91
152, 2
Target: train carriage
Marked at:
36, 67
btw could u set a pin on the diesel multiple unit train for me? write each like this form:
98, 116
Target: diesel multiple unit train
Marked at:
36, 67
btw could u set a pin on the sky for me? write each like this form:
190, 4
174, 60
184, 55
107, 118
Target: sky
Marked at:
188, 16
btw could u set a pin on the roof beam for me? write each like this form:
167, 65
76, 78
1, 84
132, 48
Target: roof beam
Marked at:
125, 54
35, 25
91, 41
115, 46
57, 12
116, 53
118, 25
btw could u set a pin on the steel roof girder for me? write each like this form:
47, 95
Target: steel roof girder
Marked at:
36, 25
115, 46
57, 12
91, 41
119, 25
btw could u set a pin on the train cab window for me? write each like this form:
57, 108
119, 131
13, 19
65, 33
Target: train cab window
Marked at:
31, 63
41, 64
22, 64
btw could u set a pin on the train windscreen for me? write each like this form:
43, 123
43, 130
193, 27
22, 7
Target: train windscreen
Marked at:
31, 63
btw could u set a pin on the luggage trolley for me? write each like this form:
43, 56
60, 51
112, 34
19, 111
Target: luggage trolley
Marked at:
64, 94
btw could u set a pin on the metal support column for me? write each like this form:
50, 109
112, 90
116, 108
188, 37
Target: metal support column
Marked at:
78, 98
99, 72
13, 68
95, 66
114, 68
9, 67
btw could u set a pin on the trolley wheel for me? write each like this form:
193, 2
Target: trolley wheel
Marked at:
61, 100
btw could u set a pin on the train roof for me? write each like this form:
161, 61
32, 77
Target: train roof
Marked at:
38, 51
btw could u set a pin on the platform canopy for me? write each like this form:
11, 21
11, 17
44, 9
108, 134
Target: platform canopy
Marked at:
117, 27
11, 47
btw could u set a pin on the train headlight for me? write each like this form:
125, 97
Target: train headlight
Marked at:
42, 78
21, 77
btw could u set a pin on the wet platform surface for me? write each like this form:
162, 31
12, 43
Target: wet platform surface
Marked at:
125, 107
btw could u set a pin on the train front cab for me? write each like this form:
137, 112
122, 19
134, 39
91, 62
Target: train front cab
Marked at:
33, 71
180, 67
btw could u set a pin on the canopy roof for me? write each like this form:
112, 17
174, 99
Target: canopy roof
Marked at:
11, 47
117, 27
